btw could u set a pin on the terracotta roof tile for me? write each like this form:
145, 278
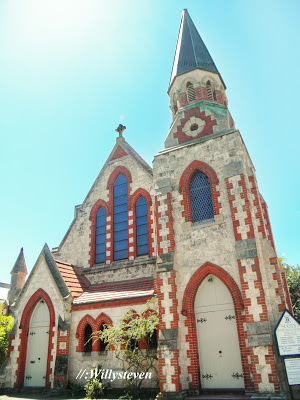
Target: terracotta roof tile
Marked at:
121, 290
76, 282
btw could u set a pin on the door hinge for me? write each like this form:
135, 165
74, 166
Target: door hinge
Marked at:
237, 375
207, 376
28, 377
202, 320
230, 317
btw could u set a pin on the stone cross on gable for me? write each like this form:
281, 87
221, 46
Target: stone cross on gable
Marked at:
120, 129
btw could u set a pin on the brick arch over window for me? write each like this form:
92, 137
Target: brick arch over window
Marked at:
190, 323
86, 320
131, 207
114, 175
24, 325
102, 319
93, 219
184, 187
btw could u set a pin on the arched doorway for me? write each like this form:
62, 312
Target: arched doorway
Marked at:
37, 346
217, 336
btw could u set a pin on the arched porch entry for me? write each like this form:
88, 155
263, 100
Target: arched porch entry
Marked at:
217, 349
37, 324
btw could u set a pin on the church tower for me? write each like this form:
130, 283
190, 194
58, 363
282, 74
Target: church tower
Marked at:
220, 287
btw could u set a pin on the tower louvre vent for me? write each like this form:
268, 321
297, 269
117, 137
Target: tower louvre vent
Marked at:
209, 91
190, 92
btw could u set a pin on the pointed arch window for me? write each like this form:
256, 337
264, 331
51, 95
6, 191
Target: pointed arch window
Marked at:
100, 236
120, 218
88, 338
211, 94
190, 92
141, 227
102, 345
201, 197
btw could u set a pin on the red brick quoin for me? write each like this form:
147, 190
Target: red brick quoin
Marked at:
184, 187
24, 325
190, 323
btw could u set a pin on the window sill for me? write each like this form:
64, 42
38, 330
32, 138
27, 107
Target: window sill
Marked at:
217, 220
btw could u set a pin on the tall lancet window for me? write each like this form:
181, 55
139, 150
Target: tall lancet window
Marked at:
88, 338
100, 236
120, 218
201, 197
190, 92
211, 94
141, 227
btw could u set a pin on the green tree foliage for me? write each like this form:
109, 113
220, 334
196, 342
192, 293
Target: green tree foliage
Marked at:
6, 325
124, 339
293, 280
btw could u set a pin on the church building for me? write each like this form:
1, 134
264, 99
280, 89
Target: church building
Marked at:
191, 231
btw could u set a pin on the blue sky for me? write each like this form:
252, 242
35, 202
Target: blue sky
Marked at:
71, 71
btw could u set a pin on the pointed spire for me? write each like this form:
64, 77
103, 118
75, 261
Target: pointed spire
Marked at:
191, 52
20, 265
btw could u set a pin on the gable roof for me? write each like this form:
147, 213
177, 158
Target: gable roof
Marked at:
121, 147
54, 271
75, 281
133, 288
191, 52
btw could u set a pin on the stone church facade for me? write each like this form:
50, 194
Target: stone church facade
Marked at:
192, 232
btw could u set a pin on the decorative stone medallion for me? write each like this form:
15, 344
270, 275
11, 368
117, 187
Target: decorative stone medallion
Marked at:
193, 127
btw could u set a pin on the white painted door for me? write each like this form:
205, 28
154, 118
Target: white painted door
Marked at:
218, 345
37, 346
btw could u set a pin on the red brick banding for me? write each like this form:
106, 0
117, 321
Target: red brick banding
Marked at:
190, 323
184, 187
24, 326
111, 304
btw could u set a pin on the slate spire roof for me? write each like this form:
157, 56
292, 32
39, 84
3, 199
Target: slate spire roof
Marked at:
191, 52
20, 265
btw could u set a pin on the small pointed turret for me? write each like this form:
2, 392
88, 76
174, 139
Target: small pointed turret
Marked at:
20, 264
191, 52
18, 276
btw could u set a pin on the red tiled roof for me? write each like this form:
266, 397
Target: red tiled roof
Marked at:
76, 283
129, 289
